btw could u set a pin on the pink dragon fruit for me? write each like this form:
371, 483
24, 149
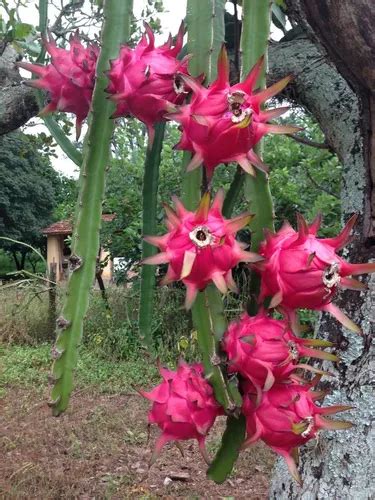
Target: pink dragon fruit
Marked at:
183, 406
69, 78
287, 418
265, 350
145, 80
303, 271
223, 123
201, 247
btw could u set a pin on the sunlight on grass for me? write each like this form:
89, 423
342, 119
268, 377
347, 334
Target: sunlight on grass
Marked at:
27, 366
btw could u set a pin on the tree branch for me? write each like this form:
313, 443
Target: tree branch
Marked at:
17, 102
308, 142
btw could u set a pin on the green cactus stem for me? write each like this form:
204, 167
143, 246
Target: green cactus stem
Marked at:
43, 23
85, 242
150, 207
210, 329
205, 21
231, 441
62, 140
254, 41
206, 33
233, 192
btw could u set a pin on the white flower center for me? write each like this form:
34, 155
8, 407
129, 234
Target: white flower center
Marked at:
178, 85
310, 426
201, 236
293, 349
236, 101
331, 276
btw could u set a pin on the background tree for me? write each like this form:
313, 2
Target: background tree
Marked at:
27, 195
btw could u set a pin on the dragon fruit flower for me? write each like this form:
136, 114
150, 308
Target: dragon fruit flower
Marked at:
223, 123
200, 247
287, 418
183, 407
146, 80
303, 271
69, 79
265, 350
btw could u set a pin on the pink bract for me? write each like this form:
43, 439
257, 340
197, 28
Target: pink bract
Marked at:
286, 418
223, 123
265, 350
144, 81
303, 271
69, 79
183, 406
200, 247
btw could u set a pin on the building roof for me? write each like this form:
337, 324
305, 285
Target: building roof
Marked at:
64, 227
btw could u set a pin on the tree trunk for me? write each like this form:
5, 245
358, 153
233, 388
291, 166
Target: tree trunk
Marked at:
17, 101
339, 465
16, 261
23, 259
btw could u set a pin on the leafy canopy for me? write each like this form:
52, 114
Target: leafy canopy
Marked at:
27, 194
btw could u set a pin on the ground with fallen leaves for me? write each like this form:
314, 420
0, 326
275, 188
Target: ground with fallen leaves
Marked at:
100, 449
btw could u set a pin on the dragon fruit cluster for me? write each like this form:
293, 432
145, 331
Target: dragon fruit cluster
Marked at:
222, 123
297, 270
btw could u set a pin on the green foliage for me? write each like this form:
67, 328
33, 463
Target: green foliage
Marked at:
27, 195
111, 334
304, 179
66, 192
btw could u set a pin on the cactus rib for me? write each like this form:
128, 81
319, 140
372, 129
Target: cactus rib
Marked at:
149, 196
254, 40
88, 214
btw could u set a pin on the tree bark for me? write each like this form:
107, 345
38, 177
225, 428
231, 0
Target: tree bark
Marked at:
339, 465
17, 101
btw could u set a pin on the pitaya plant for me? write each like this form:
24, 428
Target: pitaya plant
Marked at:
200, 247
268, 399
223, 123
183, 407
301, 270
144, 81
69, 79
287, 418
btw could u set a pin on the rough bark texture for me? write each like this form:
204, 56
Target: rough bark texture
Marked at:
17, 102
346, 29
340, 464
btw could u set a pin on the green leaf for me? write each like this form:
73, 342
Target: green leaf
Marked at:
278, 17
22, 30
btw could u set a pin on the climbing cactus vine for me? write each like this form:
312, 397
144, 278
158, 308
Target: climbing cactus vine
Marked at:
255, 370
